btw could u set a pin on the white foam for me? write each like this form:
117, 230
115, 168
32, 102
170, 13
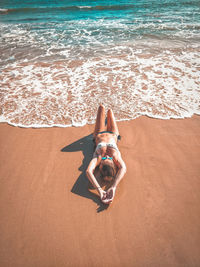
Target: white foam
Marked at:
149, 76
68, 94
84, 6
3, 9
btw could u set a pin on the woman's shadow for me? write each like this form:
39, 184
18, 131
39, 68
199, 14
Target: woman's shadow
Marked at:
82, 184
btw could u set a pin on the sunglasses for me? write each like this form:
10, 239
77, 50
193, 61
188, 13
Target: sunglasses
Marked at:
103, 158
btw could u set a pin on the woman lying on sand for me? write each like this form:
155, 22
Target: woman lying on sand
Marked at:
107, 155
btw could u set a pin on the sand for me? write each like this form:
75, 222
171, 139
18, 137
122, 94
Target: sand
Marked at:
49, 218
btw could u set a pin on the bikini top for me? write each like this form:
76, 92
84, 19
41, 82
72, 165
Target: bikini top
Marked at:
104, 144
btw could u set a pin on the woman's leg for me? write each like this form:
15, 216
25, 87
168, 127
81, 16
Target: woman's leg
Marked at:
100, 121
111, 122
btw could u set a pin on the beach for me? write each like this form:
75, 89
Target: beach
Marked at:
59, 60
50, 218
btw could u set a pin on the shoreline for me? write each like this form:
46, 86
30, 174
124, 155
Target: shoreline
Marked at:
45, 126
48, 216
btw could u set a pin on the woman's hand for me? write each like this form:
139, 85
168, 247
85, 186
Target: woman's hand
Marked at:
108, 196
102, 194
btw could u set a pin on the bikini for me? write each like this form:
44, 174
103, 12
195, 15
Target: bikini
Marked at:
111, 144
104, 144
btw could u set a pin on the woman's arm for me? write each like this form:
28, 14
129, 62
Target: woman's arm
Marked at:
90, 174
120, 174
121, 171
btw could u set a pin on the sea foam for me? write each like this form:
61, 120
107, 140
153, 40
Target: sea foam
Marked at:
56, 71
68, 92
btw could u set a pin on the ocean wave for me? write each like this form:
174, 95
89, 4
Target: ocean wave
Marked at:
67, 93
90, 35
142, 60
47, 9
3, 10
87, 38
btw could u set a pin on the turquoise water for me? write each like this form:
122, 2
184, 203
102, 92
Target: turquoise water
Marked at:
181, 15
57, 11
60, 59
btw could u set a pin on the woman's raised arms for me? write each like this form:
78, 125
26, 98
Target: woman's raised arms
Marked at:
90, 174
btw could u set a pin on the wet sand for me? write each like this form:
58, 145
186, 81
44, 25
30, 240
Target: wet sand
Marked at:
49, 218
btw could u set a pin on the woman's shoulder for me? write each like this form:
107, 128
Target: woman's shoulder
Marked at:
117, 156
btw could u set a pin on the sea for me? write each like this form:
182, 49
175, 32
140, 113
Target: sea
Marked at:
59, 60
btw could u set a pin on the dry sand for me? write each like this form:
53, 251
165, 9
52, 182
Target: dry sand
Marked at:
49, 218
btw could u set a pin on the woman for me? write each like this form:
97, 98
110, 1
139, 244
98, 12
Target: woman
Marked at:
106, 156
